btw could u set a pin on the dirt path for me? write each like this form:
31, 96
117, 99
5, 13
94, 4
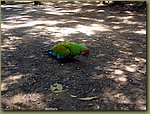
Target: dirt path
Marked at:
115, 71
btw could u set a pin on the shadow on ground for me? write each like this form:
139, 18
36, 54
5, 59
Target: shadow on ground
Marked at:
115, 71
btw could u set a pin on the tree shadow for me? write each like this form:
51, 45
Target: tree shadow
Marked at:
114, 71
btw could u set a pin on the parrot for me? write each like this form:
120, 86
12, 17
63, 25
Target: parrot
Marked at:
68, 50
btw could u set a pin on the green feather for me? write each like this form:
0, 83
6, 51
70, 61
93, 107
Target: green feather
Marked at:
68, 49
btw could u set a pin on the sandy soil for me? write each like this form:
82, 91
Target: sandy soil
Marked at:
114, 73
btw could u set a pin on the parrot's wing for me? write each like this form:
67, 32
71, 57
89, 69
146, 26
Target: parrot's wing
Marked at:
60, 51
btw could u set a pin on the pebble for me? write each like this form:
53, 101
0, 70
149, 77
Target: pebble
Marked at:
78, 68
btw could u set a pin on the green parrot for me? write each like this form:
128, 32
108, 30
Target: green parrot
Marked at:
68, 49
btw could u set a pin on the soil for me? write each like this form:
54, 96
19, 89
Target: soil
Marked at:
112, 77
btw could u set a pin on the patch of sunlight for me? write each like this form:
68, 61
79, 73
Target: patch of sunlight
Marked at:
33, 33
20, 98
84, 18
90, 10
39, 27
116, 27
124, 31
61, 39
122, 44
24, 1
108, 17
141, 104
29, 24
121, 98
98, 67
4, 86
129, 12
18, 17
33, 100
140, 59
121, 79
118, 76
56, 13
10, 6
16, 77
142, 107
9, 43
98, 1
60, 1
85, 29
28, 11
72, 21
56, 39
98, 20
46, 43
116, 97
86, 4
129, 22
84, 40
13, 78
116, 44
4, 46
4, 26
14, 38
61, 12
116, 22
140, 101
77, 1
124, 52
89, 30
70, 11
100, 4
118, 61
59, 32
10, 80
118, 72
12, 48
100, 27
140, 32
125, 18
131, 68
100, 11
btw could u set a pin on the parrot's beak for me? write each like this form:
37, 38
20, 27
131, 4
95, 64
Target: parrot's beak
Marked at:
85, 53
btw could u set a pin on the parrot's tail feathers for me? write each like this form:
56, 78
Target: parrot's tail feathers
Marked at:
52, 53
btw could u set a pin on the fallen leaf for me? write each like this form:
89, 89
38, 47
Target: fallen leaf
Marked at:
87, 98
57, 88
73, 96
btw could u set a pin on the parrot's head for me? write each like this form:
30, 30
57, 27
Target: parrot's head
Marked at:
85, 52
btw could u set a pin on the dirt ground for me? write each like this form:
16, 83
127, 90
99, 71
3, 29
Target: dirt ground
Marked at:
113, 77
